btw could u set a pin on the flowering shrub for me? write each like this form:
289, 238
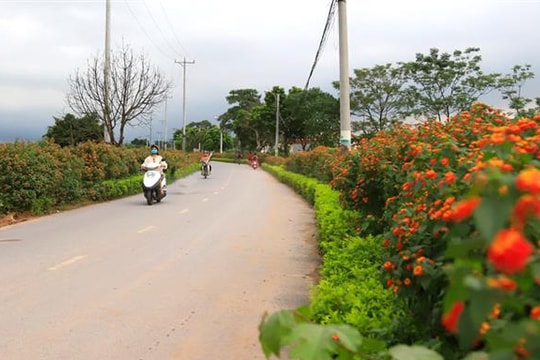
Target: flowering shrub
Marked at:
433, 178
458, 205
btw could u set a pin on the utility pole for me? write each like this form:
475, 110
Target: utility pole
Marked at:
276, 143
344, 86
107, 74
184, 63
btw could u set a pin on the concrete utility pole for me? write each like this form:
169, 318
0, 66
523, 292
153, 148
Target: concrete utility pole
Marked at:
344, 86
276, 143
107, 73
184, 63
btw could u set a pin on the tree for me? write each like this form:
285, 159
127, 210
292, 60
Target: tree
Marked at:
377, 97
70, 130
511, 87
204, 136
139, 142
240, 118
310, 117
136, 89
441, 84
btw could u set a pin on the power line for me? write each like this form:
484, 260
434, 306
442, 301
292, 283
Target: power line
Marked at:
146, 33
329, 20
172, 29
159, 28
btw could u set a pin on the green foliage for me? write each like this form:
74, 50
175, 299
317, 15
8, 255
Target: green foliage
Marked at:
70, 130
40, 177
377, 97
442, 84
311, 341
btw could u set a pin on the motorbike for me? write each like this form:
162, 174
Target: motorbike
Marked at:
254, 164
151, 184
205, 169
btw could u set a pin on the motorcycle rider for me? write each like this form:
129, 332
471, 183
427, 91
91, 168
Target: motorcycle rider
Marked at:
154, 158
205, 160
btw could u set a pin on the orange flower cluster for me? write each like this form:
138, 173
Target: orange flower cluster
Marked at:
450, 320
509, 251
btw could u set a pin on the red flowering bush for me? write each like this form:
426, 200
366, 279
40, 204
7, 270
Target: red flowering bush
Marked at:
421, 187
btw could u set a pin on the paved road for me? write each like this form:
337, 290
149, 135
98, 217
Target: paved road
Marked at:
189, 278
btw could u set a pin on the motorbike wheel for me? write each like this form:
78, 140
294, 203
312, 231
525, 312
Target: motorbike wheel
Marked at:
148, 196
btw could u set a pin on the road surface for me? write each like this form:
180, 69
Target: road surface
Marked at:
188, 278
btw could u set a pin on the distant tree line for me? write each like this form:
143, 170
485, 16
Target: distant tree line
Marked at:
432, 86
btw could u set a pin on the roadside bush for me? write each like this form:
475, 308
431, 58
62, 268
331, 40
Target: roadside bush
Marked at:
37, 176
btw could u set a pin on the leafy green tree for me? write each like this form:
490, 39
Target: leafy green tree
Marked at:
377, 97
71, 130
511, 87
204, 136
240, 118
310, 117
441, 84
139, 142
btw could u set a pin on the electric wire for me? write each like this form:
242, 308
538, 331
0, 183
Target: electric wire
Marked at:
160, 30
171, 27
329, 21
146, 33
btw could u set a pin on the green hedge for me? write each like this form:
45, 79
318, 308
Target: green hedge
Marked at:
350, 291
42, 177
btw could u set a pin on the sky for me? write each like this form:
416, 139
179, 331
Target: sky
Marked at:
238, 44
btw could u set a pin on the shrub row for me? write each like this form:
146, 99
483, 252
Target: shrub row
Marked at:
39, 177
350, 291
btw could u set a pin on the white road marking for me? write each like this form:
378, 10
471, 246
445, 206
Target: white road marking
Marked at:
205, 199
183, 211
67, 262
146, 229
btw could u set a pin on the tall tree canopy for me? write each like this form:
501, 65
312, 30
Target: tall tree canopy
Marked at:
377, 97
71, 130
136, 89
442, 84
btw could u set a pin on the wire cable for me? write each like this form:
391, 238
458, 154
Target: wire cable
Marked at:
329, 20
160, 30
146, 33
173, 31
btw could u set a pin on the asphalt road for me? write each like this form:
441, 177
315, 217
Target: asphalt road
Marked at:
188, 278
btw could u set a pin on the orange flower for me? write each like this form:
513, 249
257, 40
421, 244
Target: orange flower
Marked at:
528, 180
509, 251
535, 313
418, 270
526, 206
502, 282
445, 161
430, 174
449, 177
450, 320
484, 328
407, 282
464, 209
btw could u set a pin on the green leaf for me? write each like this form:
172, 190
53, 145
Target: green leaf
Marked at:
317, 342
274, 331
477, 356
492, 215
404, 352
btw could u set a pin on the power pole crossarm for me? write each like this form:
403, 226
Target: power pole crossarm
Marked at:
184, 63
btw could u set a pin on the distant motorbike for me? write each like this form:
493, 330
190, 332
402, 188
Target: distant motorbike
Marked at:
152, 182
254, 164
205, 169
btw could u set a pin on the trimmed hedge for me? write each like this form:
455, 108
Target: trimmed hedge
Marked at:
350, 291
